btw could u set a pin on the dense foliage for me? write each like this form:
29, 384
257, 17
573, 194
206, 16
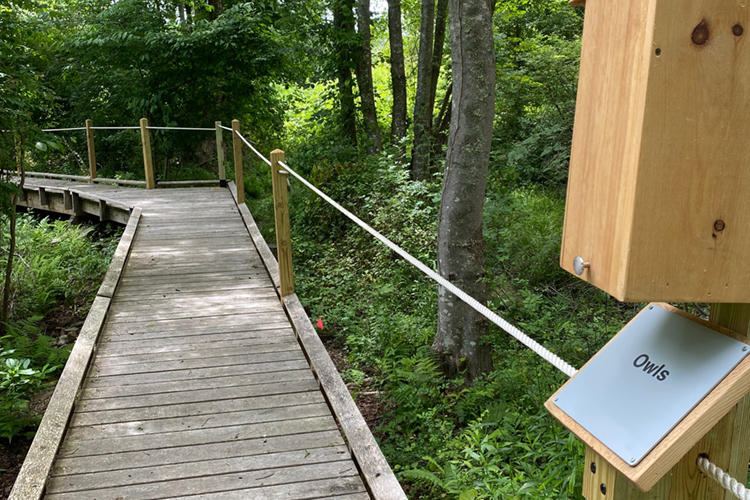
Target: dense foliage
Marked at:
57, 270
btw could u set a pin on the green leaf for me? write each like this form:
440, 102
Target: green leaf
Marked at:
468, 495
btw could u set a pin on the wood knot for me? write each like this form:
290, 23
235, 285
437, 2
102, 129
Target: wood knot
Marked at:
700, 33
719, 225
738, 30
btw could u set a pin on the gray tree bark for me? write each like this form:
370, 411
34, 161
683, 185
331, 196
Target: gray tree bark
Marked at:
420, 157
343, 27
460, 243
364, 79
441, 18
398, 71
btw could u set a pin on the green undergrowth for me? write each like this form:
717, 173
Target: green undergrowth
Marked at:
445, 439
57, 270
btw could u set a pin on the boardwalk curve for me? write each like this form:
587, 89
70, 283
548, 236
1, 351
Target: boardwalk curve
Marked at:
202, 384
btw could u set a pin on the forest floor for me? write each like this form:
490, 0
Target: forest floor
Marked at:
63, 324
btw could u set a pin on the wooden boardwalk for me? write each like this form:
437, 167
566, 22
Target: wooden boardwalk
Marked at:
199, 387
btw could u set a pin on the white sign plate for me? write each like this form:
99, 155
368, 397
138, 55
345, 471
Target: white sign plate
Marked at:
644, 382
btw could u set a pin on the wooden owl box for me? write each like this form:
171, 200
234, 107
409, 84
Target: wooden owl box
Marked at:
658, 204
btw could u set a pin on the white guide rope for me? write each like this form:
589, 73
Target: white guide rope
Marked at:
227, 128
61, 129
115, 128
183, 128
532, 344
254, 150
725, 480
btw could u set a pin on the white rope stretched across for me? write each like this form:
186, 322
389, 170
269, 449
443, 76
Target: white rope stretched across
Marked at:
254, 150
725, 480
532, 344
227, 128
61, 129
182, 128
115, 128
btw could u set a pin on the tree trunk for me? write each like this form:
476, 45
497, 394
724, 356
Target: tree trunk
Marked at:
437, 52
218, 8
460, 244
4, 313
398, 72
364, 79
343, 25
441, 125
420, 157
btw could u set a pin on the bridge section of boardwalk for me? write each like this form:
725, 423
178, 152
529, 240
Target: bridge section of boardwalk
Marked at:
202, 384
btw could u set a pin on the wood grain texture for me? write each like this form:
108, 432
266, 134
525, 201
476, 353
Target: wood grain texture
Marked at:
606, 138
220, 151
199, 379
281, 219
377, 474
91, 149
657, 188
148, 165
238, 166
681, 443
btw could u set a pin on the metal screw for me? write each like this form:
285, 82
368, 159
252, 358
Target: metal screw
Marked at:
556, 399
603, 488
650, 307
744, 348
579, 265
632, 460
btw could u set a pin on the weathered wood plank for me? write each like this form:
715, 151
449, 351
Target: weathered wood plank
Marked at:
33, 474
160, 346
196, 396
328, 488
104, 369
126, 358
206, 408
250, 320
94, 392
197, 453
259, 307
248, 464
144, 427
200, 333
114, 272
195, 436
220, 483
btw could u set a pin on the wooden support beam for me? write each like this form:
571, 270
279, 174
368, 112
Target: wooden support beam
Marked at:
281, 217
92, 151
147, 158
220, 154
67, 200
102, 210
43, 200
727, 444
76, 202
238, 173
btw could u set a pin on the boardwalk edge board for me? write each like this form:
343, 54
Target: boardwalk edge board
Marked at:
35, 471
376, 472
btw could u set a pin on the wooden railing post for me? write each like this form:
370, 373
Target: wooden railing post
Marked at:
283, 231
238, 174
147, 160
220, 154
92, 151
